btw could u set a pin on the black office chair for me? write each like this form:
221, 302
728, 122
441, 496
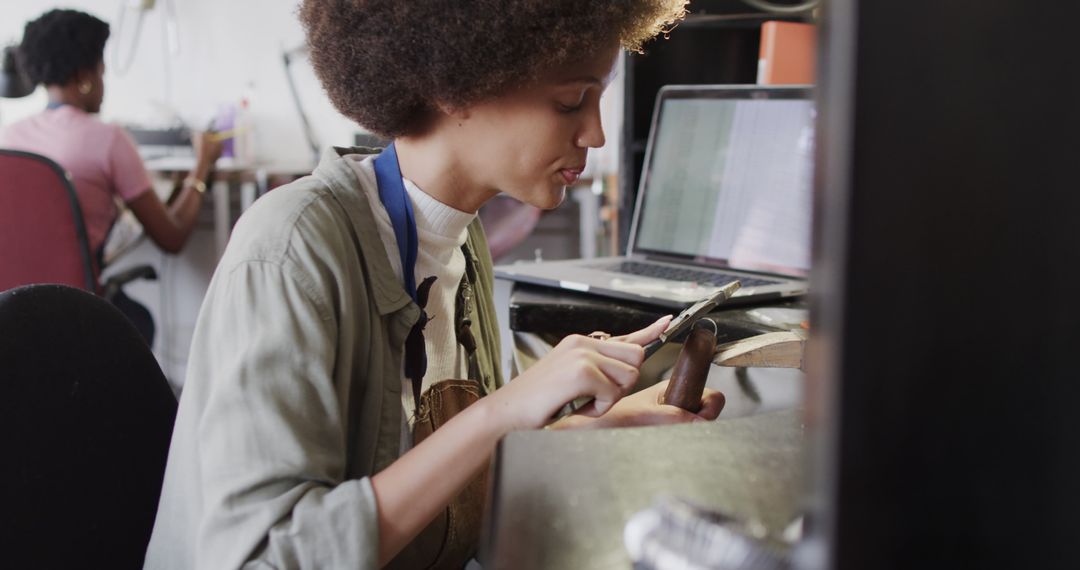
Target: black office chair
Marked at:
85, 421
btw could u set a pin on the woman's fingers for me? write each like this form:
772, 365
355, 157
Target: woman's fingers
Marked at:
631, 354
620, 372
606, 370
588, 410
605, 383
647, 334
586, 370
712, 403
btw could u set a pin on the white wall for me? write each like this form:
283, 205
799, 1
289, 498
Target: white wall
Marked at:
224, 47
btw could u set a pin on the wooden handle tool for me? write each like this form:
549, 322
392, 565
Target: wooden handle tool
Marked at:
692, 367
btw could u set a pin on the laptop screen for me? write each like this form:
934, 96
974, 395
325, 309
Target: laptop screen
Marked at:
727, 181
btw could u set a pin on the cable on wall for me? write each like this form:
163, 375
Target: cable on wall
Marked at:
121, 64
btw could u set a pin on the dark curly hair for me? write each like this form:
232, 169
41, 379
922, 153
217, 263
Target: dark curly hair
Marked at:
61, 43
388, 64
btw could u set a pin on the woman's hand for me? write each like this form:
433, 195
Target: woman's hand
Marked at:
645, 408
207, 147
578, 366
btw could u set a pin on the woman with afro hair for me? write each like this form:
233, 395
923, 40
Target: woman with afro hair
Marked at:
64, 51
352, 313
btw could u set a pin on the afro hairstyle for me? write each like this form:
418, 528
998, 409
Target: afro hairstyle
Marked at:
390, 64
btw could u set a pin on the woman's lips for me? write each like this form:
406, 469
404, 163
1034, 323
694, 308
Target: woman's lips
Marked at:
570, 175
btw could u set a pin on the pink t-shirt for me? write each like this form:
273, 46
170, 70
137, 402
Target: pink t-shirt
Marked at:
101, 158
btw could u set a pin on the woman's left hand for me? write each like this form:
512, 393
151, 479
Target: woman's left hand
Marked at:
644, 409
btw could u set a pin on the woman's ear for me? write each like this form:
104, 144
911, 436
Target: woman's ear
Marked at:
82, 76
84, 80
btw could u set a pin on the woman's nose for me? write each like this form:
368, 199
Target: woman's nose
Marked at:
591, 134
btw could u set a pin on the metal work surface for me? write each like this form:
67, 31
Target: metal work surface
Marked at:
561, 498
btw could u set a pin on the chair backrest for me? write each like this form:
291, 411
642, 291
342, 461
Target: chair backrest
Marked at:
42, 232
86, 417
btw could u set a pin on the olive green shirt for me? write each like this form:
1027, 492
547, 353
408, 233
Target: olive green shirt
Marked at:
293, 392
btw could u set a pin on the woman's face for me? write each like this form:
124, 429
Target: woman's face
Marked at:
533, 142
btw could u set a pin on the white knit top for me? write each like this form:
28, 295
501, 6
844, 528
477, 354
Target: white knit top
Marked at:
442, 230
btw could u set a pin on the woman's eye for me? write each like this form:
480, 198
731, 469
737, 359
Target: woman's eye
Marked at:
573, 105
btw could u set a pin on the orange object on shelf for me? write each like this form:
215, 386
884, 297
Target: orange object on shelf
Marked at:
788, 53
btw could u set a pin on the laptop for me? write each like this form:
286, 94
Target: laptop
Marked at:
725, 194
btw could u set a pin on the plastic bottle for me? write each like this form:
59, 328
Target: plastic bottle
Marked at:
224, 121
245, 129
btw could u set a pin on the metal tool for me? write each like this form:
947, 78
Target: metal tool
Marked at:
691, 315
680, 323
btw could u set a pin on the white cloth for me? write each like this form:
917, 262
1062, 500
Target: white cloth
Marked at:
441, 230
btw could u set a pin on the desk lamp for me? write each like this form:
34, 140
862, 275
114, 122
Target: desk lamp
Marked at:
287, 57
13, 81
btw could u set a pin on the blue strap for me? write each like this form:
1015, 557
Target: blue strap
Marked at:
54, 105
396, 201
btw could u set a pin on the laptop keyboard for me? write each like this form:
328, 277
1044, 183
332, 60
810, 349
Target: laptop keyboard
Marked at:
714, 278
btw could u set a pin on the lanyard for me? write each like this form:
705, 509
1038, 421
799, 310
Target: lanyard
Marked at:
396, 201
54, 105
